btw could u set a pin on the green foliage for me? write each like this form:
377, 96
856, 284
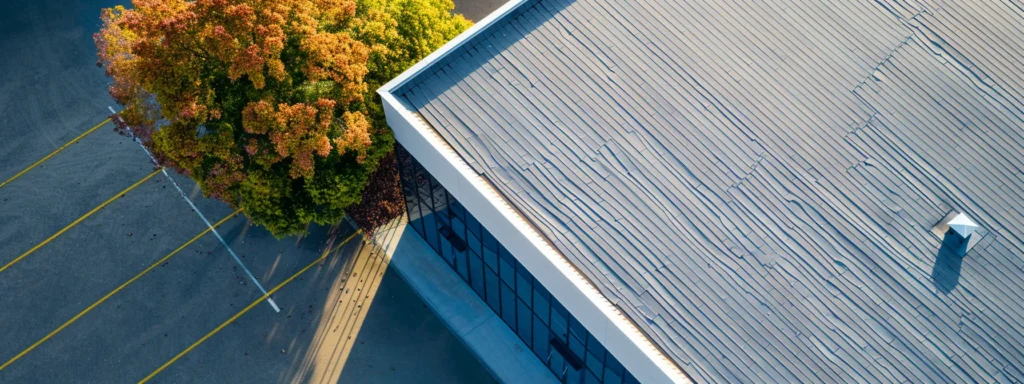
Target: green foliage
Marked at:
269, 105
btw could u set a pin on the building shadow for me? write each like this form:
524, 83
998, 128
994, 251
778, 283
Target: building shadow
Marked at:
946, 271
371, 327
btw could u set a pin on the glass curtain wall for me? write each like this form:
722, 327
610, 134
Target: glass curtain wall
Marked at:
542, 323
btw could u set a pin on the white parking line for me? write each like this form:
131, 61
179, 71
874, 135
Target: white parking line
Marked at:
201, 216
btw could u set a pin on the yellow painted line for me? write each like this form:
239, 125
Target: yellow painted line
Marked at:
244, 310
79, 220
55, 152
114, 292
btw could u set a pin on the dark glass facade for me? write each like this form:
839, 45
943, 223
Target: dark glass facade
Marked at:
541, 322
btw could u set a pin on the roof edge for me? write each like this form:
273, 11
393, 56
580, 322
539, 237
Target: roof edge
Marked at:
499, 14
643, 358
636, 350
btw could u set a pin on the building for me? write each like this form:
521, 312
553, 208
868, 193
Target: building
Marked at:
732, 191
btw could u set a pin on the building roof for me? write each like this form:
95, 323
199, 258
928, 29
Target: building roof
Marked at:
754, 183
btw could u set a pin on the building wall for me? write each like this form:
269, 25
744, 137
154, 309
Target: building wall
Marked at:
541, 322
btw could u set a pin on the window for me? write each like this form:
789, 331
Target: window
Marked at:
476, 274
525, 323
491, 259
541, 305
524, 284
557, 338
473, 226
458, 227
507, 271
490, 242
557, 364
430, 232
559, 321
577, 348
508, 306
473, 242
493, 290
462, 265
447, 252
541, 337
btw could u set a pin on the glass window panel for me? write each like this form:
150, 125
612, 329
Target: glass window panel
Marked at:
525, 321
447, 252
490, 242
476, 274
473, 225
541, 306
425, 209
613, 364
576, 346
456, 207
559, 320
462, 265
557, 364
524, 287
508, 273
590, 378
426, 202
537, 286
508, 306
573, 376
423, 187
473, 242
576, 329
593, 345
426, 198
522, 271
594, 362
459, 227
430, 232
415, 219
541, 336
442, 216
493, 295
439, 193
629, 379
610, 377
524, 291
491, 259
505, 254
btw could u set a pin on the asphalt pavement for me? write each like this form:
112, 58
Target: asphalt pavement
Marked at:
80, 307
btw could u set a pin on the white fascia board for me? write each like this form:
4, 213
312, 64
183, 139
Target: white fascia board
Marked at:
613, 329
610, 326
463, 37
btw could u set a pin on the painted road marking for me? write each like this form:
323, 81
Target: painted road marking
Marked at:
246, 309
112, 293
86, 133
201, 216
79, 220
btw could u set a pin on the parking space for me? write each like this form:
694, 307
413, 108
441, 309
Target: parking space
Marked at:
65, 187
122, 291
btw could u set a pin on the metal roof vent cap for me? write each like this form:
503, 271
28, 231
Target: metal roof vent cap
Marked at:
963, 225
958, 233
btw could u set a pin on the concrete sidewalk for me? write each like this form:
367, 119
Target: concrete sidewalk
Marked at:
455, 303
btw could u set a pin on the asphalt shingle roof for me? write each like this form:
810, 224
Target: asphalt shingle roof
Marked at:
754, 183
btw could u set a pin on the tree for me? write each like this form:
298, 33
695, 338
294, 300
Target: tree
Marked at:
269, 105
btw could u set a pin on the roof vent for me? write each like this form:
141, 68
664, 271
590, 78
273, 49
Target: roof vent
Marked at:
963, 225
958, 232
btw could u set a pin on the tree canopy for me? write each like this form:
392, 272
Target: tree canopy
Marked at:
269, 105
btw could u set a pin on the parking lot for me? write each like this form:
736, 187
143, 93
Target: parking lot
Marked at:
108, 275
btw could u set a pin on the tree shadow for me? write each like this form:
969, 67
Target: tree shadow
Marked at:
946, 271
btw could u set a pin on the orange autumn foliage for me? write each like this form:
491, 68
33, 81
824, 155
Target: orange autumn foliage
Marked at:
268, 104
